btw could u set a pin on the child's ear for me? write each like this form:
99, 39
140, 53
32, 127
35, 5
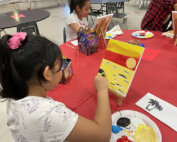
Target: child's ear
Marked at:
77, 8
47, 73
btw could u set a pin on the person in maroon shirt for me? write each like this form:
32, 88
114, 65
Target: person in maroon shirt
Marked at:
158, 15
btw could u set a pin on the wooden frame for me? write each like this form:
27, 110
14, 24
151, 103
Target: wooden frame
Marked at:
101, 26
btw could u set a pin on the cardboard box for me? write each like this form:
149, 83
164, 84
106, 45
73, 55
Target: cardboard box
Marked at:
66, 70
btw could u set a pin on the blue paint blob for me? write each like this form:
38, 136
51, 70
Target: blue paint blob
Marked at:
116, 129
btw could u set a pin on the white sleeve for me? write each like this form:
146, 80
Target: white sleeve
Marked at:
59, 123
71, 19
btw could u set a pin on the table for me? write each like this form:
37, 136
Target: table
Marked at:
157, 76
104, 2
21, 17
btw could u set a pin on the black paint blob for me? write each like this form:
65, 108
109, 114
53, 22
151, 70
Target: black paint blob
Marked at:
123, 121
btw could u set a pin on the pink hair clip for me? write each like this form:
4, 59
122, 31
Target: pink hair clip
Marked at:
16, 40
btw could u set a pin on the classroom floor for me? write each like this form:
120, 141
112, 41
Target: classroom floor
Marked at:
52, 28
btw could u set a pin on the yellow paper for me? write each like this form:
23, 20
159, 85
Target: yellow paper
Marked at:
125, 49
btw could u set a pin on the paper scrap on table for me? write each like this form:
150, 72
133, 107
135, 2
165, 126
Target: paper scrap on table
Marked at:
160, 109
150, 54
116, 30
74, 42
169, 34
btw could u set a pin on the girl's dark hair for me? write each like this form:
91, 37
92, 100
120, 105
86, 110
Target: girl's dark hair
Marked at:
73, 4
17, 66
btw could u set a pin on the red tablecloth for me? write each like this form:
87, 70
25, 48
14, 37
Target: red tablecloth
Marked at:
157, 74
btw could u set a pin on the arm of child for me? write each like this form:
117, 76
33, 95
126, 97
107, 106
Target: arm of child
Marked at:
98, 130
175, 6
75, 27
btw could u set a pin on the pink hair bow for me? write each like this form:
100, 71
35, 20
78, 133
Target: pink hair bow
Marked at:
16, 40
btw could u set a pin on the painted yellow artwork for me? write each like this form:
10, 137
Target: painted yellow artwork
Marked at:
119, 64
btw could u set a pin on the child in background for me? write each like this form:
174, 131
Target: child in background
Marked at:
79, 10
31, 65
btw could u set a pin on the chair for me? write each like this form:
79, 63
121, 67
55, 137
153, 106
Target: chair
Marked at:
0, 87
95, 12
142, 2
118, 11
2, 30
29, 27
64, 35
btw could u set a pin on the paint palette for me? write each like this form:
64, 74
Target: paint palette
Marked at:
116, 30
137, 122
110, 35
142, 34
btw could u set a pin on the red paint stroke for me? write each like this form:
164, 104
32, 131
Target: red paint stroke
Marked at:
18, 16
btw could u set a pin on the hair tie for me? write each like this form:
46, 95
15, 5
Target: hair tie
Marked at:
15, 41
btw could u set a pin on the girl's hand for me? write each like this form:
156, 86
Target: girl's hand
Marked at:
101, 83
